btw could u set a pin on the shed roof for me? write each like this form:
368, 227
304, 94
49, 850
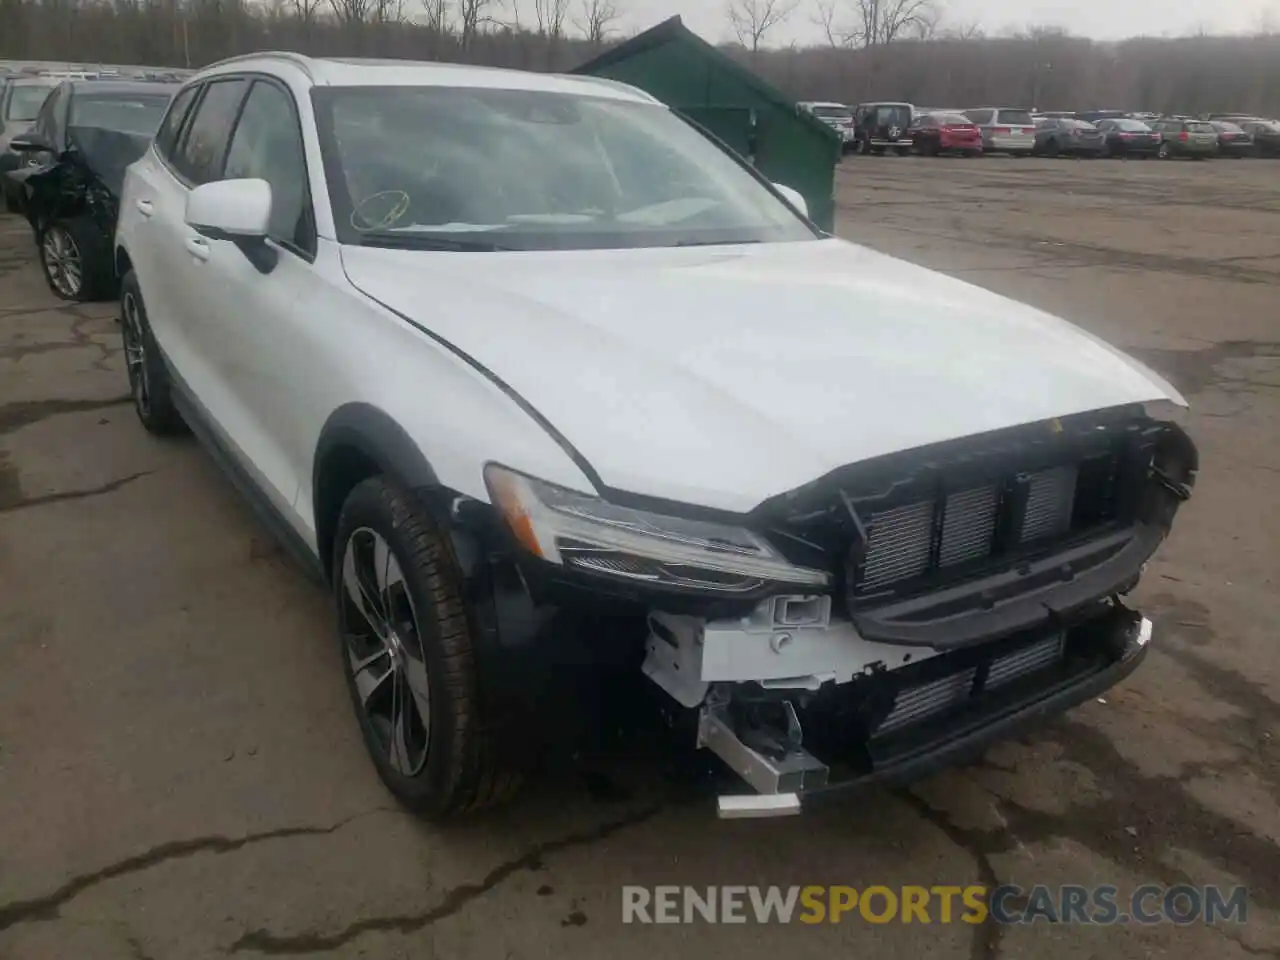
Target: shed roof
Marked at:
673, 30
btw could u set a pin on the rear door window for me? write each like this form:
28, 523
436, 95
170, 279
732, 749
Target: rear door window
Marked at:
200, 154
171, 125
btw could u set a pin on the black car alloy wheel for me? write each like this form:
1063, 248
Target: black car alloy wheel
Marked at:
62, 261
135, 352
384, 653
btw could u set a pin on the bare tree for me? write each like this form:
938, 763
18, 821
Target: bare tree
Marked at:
351, 12
925, 26
472, 14
752, 19
305, 11
969, 30
825, 19
551, 16
884, 21
597, 20
436, 13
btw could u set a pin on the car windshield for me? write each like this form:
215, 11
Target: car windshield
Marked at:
832, 113
1223, 127
138, 113
1200, 128
25, 102
1016, 117
480, 168
951, 119
1136, 126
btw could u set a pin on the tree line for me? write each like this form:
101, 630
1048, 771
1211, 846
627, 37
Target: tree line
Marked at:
872, 49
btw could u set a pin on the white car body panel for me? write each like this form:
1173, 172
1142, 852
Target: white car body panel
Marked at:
721, 376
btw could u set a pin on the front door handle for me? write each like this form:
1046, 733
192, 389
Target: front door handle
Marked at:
144, 207
197, 247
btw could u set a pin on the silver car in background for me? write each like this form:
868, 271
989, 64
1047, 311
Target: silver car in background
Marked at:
1005, 129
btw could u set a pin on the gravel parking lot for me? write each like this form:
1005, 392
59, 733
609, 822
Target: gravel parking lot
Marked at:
181, 776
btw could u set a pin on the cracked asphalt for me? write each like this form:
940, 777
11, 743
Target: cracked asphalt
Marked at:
180, 776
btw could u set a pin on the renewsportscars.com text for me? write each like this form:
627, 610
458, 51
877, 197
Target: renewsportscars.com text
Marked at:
973, 904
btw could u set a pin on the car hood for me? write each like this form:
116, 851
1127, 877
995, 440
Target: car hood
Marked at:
724, 375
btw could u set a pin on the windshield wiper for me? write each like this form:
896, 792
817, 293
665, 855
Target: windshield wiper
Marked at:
428, 241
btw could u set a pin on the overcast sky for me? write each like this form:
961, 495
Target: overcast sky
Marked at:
1103, 19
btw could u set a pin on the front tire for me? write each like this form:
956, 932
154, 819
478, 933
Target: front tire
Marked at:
149, 382
409, 657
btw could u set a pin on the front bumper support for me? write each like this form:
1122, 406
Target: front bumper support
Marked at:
786, 783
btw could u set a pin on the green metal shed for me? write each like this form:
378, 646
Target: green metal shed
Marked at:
786, 144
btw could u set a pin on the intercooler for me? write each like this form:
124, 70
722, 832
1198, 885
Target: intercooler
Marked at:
926, 536
915, 703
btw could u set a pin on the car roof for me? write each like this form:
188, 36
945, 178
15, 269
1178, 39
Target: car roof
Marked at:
372, 72
26, 80
825, 103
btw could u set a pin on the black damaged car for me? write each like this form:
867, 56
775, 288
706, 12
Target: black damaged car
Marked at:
69, 169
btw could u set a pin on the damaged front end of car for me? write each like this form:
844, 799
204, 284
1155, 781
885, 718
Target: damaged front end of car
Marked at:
892, 616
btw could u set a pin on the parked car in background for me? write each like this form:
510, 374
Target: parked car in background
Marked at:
87, 133
882, 126
1233, 140
837, 116
19, 104
935, 133
1265, 134
1069, 137
1126, 137
1005, 130
1180, 137
1093, 116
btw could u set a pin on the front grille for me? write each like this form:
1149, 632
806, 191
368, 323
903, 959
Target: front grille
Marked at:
917, 703
939, 537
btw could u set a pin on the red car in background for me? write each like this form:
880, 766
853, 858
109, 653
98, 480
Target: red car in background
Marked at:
935, 133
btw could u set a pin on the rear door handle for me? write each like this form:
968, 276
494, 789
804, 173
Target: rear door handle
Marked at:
197, 247
144, 207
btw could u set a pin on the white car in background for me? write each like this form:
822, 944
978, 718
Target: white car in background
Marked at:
838, 116
1005, 129
532, 375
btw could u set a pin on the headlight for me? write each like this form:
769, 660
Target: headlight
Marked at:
587, 533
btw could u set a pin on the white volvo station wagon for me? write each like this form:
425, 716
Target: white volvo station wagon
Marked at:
521, 364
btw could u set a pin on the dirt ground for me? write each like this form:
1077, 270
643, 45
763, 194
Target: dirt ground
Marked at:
180, 775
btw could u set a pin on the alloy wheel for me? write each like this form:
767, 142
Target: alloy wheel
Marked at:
135, 353
62, 260
382, 643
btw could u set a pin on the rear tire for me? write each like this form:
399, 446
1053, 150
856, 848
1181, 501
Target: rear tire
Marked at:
415, 647
149, 381
75, 259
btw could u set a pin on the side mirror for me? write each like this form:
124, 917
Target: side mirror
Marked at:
30, 142
230, 209
238, 211
794, 198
